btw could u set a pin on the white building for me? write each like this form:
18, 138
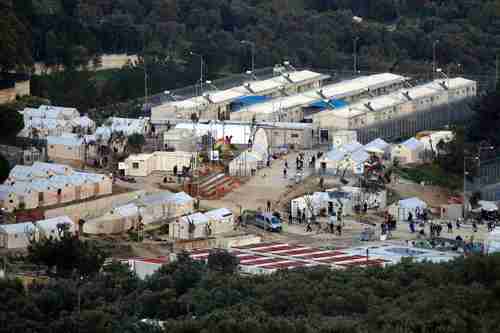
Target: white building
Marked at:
199, 225
371, 112
152, 208
127, 126
53, 121
66, 148
47, 184
54, 227
142, 165
401, 209
410, 151
17, 235
290, 108
217, 105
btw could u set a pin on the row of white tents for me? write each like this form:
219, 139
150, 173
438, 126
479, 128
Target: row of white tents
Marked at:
19, 235
347, 197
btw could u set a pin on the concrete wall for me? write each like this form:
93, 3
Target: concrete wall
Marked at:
92, 209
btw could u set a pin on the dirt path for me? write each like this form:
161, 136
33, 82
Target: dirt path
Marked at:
268, 184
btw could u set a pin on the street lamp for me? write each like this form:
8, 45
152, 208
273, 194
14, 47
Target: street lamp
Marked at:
252, 46
355, 54
434, 64
465, 174
201, 69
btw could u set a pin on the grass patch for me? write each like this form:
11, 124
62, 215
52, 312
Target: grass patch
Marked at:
431, 174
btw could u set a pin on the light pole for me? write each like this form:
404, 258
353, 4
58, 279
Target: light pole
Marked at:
465, 174
446, 86
434, 64
252, 46
201, 69
355, 54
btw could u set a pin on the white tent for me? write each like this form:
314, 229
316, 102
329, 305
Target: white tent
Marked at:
488, 206
493, 241
17, 235
50, 227
402, 208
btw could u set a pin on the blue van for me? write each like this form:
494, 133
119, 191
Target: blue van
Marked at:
267, 221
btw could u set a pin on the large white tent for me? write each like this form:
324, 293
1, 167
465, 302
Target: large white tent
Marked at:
402, 208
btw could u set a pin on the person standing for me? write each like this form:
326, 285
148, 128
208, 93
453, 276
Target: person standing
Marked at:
268, 206
286, 164
284, 173
450, 227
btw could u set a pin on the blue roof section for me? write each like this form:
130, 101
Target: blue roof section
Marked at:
322, 105
246, 101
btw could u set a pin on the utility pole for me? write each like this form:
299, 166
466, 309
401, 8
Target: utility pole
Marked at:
355, 54
434, 64
252, 45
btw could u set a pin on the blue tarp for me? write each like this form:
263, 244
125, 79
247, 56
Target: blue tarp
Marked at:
322, 105
247, 101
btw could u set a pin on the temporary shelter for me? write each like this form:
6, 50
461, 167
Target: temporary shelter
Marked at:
17, 235
118, 220
488, 206
373, 199
51, 227
342, 137
244, 163
408, 152
143, 165
223, 220
493, 241
378, 147
192, 226
329, 201
403, 208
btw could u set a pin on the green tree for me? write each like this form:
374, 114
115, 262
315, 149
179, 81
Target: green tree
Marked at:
222, 261
136, 142
67, 255
11, 121
15, 52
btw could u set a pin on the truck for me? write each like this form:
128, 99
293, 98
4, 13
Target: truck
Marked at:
267, 221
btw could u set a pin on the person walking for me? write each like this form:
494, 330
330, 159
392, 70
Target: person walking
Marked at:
286, 164
339, 229
450, 227
284, 173
268, 205
308, 227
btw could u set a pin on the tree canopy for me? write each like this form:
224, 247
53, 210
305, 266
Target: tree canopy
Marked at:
11, 121
187, 296
67, 255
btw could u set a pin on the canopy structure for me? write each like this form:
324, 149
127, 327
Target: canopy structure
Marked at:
328, 104
246, 101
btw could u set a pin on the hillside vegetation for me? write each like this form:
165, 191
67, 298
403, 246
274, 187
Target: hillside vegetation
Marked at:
459, 297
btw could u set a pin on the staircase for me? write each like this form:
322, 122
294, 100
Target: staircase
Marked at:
215, 186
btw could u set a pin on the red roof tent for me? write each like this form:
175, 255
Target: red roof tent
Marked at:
155, 260
255, 246
322, 255
300, 252
277, 248
263, 261
340, 259
251, 258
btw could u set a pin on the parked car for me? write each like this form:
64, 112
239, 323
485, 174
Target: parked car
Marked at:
267, 221
127, 179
